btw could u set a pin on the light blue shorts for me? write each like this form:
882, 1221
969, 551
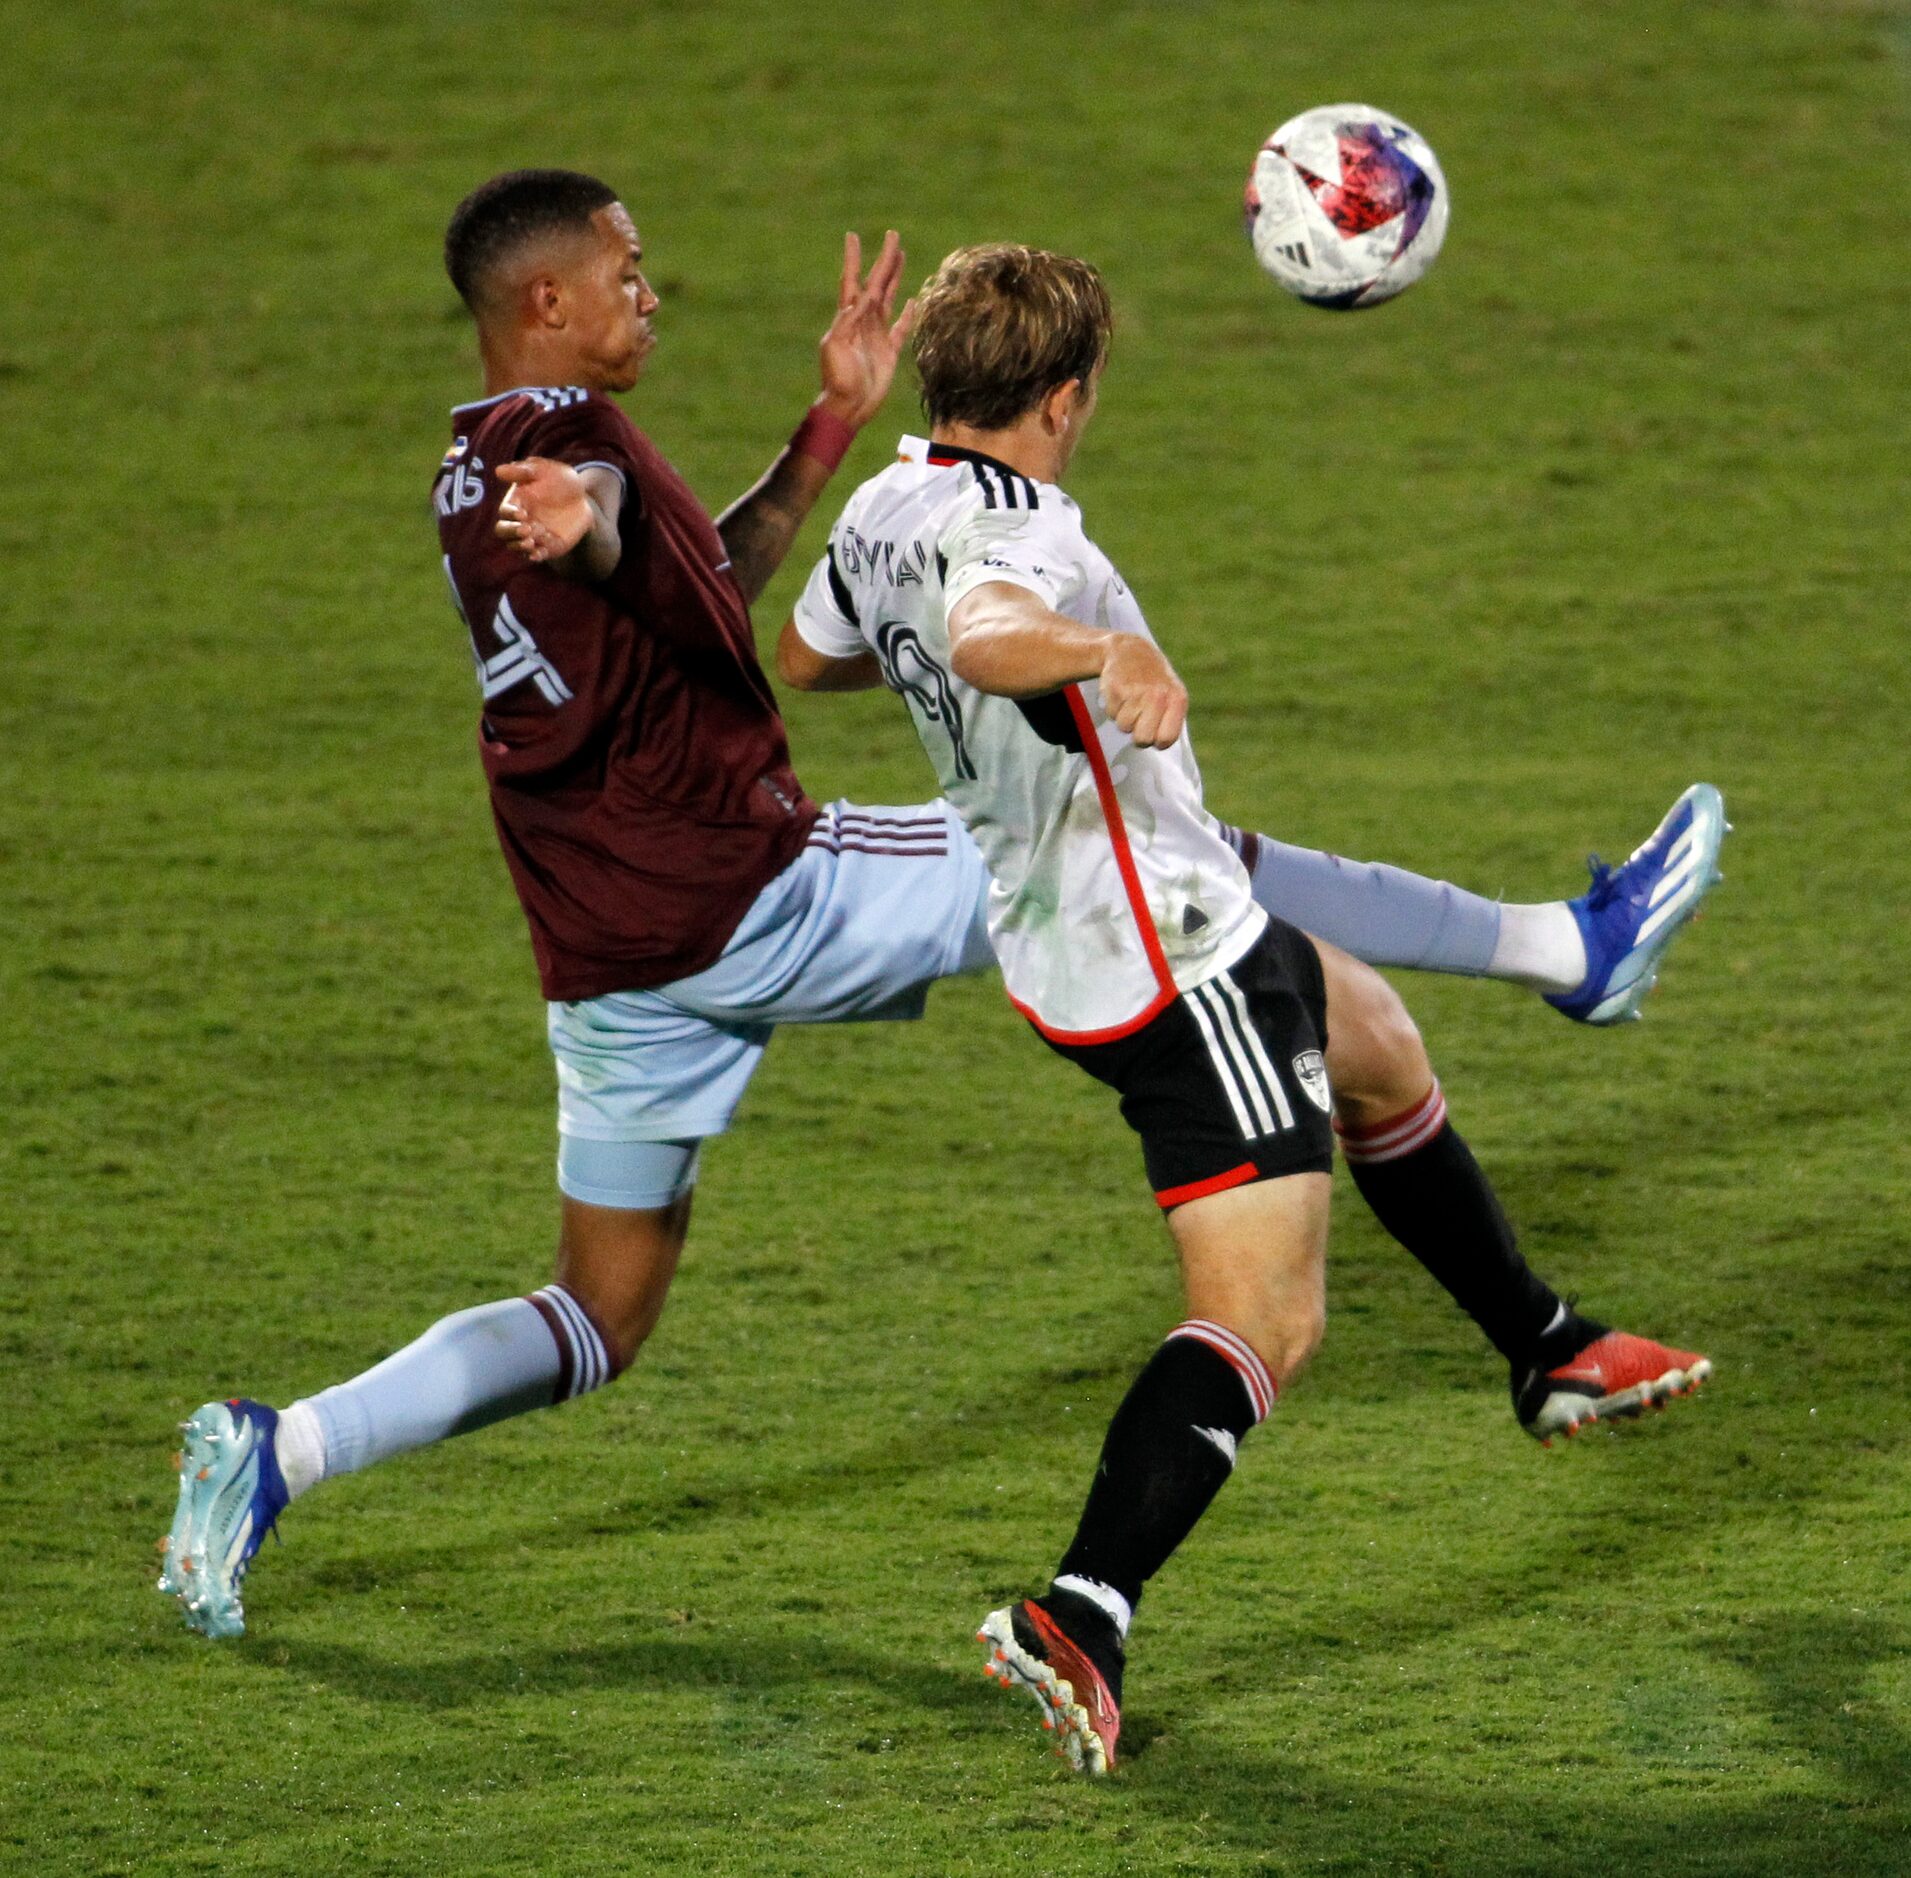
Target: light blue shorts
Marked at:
879, 905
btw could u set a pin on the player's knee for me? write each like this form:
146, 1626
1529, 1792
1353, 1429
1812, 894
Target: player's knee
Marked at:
1375, 1054
622, 1313
1395, 1040
1284, 1338
1303, 1324
618, 1265
1285, 1326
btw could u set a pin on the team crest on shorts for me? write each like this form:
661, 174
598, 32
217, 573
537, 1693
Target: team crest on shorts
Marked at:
1310, 1071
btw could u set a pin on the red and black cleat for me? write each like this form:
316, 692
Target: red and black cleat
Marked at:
1615, 1376
1029, 1650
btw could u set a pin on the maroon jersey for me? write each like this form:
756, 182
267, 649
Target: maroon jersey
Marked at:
640, 776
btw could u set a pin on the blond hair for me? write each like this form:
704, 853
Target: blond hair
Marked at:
999, 326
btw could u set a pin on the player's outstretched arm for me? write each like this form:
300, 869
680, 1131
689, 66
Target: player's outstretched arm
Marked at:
1002, 639
858, 358
562, 518
798, 663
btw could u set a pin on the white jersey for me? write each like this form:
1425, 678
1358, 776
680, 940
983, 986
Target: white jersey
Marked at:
1113, 890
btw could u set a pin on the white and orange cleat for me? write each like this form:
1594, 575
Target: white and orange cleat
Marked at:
1614, 1377
1029, 1650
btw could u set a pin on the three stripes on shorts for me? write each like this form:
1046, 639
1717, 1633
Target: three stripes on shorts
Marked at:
1247, 1075
1253, 1086
841, 829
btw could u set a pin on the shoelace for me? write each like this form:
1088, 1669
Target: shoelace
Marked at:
1605, 884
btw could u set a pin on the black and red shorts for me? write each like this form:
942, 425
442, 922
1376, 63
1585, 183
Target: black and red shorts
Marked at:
1229, 1083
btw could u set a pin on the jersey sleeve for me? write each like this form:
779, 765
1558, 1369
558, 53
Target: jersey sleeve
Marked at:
1043, 550
589, 434
825, 612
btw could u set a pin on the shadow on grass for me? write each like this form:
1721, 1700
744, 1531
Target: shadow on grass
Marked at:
897, 1458
1854, 1819
1277, 1815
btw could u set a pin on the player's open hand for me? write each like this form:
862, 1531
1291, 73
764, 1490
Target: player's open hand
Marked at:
1141, 693
547, 511
864, 340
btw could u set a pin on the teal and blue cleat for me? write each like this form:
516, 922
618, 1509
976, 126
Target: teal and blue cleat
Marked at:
231, 1494
1630, 914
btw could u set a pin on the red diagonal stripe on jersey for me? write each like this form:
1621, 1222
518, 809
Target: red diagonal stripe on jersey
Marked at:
1118, 835
1131, 884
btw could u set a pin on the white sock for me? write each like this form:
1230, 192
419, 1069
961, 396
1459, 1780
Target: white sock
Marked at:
1540, 946
300, 1447
1120, 1612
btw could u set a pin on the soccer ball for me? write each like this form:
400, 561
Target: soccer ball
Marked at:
1345, 206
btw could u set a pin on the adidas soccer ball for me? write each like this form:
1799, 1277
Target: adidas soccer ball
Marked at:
1345, 206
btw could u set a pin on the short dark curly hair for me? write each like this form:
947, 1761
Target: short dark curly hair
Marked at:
498, 217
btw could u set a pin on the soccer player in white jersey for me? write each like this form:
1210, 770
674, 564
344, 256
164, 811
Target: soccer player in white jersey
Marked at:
1128, 934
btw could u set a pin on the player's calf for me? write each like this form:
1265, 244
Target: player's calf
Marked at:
1253, 1259
618, 1264
1421, 1180
1419, 1176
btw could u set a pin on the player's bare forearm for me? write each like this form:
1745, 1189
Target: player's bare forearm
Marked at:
759, 527
1003, 640
798, 663
857, 357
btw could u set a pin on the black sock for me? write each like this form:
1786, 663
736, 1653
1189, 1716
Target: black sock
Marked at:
1089, 1627
1426, 1188
1166, 1455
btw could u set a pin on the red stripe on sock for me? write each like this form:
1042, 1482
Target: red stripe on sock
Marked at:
1374, 1132
1400, 1135
1239, 1354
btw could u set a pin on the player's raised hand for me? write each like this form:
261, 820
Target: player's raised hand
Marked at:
864, 341
548, 510
1141, 692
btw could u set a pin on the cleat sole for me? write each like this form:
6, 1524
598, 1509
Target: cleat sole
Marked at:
212, 1467
1076, 1742
1565, 1414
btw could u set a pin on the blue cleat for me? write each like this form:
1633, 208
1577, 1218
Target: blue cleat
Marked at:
1630, 914
231, 1494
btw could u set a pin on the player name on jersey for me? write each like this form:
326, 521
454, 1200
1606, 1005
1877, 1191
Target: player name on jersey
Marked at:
640, 776
1113, 889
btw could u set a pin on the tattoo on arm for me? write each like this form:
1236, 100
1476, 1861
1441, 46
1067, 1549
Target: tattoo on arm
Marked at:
759, 526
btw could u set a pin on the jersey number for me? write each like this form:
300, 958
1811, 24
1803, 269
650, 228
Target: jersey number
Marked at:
912, 672
517, 657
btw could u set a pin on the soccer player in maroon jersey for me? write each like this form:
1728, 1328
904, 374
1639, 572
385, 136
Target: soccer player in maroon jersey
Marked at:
684, 895
653, 827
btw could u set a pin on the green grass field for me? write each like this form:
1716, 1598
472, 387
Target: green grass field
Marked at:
1614, 500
